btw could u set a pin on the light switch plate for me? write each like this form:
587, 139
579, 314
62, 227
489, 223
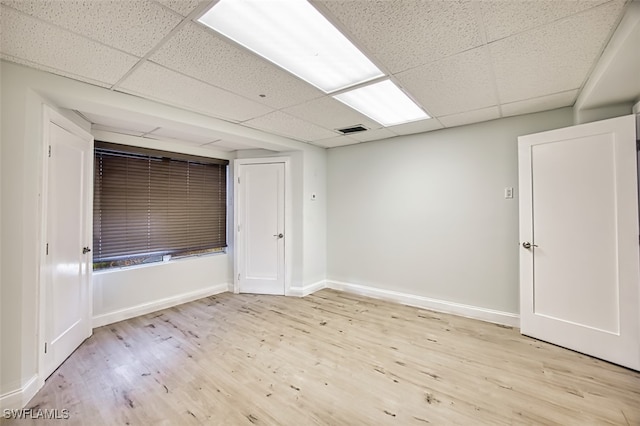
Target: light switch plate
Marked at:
508, 192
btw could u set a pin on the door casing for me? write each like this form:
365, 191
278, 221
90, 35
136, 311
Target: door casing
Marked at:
288, 228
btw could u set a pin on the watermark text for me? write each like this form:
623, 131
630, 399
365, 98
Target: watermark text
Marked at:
37, 413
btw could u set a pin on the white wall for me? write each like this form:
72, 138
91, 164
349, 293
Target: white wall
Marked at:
20, 170
3, 322
315, 218
425, 214
120, 294
602, 113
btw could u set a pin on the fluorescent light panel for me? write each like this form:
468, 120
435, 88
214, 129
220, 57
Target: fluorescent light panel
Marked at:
295, 36
384, 102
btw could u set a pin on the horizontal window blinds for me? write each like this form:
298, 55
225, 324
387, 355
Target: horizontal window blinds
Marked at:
156, 203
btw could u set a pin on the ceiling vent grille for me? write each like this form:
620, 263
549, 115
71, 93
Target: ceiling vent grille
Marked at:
352, 129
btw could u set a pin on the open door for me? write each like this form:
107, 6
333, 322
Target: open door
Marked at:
579, 257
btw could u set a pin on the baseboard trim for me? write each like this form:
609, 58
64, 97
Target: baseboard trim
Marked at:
306, 290
157, 305
484, 314
18, 398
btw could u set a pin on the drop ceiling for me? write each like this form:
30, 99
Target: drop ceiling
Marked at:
462, 61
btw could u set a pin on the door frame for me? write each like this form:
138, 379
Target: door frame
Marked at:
288, 227
50, 115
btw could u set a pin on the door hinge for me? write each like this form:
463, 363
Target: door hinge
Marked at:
238, 277
47, 250
45, 347
49, 150
238, 179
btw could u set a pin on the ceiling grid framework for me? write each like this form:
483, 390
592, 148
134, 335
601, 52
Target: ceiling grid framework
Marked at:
462, 61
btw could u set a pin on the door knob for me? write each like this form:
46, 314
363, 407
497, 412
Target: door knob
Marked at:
281, 235
85, 250
528, 245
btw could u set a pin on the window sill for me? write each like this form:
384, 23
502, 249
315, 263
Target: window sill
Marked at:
158, 264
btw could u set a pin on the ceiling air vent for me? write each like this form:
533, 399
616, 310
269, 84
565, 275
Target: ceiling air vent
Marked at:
352, 129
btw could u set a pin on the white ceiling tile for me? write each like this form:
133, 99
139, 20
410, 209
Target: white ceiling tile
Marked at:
226, 145
198, 52
52, 70
403, 34
552, 58
36, 42
372, 135
183, 7
172, 140
469, 117
331, 114
540, 53
543, 103
117, 123
165, 132
218, 148
119, 130
132, 26
504, 18
158, 83
334, 142
287, 125
416, 127
454, 84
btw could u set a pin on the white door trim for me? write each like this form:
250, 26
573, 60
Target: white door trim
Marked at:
288, 228
52, 116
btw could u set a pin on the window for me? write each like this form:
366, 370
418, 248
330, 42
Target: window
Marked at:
149, 204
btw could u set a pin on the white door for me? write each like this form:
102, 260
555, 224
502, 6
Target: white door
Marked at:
261, 228
579, 257
67, 292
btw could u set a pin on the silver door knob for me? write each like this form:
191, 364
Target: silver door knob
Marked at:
528, 245
279, 235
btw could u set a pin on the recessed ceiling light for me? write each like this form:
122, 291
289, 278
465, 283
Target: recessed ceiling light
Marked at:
384, 102
295, 36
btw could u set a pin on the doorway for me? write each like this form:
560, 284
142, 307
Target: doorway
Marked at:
262, 225
66, 263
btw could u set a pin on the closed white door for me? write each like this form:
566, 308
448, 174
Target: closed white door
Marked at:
67, 310
261, 228
579, 257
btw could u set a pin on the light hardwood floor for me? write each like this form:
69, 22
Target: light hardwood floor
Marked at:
329, 358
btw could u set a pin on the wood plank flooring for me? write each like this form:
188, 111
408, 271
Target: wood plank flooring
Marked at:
330, 358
